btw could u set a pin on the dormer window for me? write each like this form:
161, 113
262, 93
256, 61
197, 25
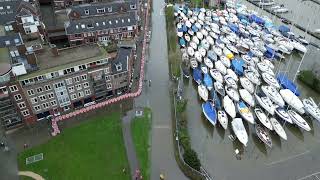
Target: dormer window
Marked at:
122, 20
77, 27
8, 7
116, 21
86, 11
104, 23
83, 26
119, 67
1, 7
133, 6
7, 43
110, 22
102, 10
109, 9
128, 20
97, 24
89, 26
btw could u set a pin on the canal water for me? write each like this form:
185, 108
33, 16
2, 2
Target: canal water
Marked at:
291, 159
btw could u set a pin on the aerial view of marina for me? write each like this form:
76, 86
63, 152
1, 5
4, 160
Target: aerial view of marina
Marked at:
160, 89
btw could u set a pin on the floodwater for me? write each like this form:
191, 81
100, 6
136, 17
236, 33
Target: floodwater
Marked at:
286, 160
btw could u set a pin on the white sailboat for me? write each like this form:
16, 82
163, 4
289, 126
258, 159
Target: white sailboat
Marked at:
239, 130
229, 107
278, 128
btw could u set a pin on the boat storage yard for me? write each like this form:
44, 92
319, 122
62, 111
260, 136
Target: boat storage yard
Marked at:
231, 55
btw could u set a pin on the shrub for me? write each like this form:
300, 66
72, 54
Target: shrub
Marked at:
191, 158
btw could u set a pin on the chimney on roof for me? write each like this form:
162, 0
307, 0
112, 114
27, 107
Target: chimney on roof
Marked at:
54, 50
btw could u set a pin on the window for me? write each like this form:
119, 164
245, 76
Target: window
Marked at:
76, 79
71, 89
86, 11
84, 77
80, 94
77, 35
107, 70
37, 108
42, 98
79, 87
102, 10
133, 6
47, 87
53, 103
109, 86
69, 81
108, 78
34, 100
39, 90
27, 30
50, 95
45, 105
58, 85
85, 85
73, 96
30, 92
66, 108
21, 105
109, 9
87, 92
119, 67
13, 88
17, 97
25, 113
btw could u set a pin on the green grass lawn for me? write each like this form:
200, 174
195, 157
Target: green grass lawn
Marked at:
92, 150
140, 129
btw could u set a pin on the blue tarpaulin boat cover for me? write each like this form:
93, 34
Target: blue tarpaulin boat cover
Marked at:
182, 42
210, 112
284, 29
184, 28
194, 28
270, 53
197, 75
237, 66
286, 83
234, 28
256, 19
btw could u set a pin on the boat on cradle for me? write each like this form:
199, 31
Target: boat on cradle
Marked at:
225, 61
223, 118
311, 108
232, 93
263, 118
278, 128
247, 84
245, 112
230, 82
208, 63
273, 94
292, 100
193, 63
207, 80
232, 74
203, 92
197, 75
209, 112
229, 106
239, 130
219, 88
212, 56
247, 97
216, 75
298, 120
218, 65
282, 113
269, 79
265, 103
252, 76
263, 135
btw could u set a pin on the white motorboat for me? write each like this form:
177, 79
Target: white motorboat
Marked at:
230, 81
283, 49
202, 51
273, 94
263, 118
239, 130
229, 107
223, 119
218, 65
193, 63
225, 61
204, 44
256, 52
208, 63
311, 108
278, 128
224, 40
232, 93
199, 35
252, 76
179, 34
282, 113
210, 40
203, 92
247, 97
245, 112
247, 84
269, 79
187, 37
216, 75
190, 51
219, 88
285, 42
198, 56
248, 42
228, 53
303, 41
266, 103
298, 120
248, 60
262, 66
268, 63
195, 40
299, 47
204, 69
217, 50
204, 32
220, 44
232, 48
291, 99
281, 10
232, 74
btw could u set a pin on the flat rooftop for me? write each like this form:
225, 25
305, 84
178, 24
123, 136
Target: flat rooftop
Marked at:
48, 62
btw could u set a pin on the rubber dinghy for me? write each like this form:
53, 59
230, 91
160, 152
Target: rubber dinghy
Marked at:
209, 111
239, 130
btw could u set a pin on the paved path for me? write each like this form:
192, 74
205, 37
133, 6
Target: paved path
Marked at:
30, 174
130, 149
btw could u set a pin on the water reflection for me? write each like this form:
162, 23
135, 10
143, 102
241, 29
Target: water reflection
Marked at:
276, 140
295, 130
259, 144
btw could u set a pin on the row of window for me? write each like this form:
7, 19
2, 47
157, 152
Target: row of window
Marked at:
78, 87
80, 94
45, 105
76, 79
31, 92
